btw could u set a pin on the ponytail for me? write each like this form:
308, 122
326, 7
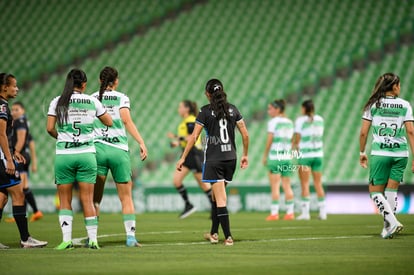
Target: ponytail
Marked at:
384, 84
107, 77
74, 79
309, 108
218, 98
191, 106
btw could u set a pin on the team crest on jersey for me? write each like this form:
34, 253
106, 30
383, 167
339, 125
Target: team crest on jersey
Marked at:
3, 108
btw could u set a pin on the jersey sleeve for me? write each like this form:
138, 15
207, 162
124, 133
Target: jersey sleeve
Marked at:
237, 114
190, 127
271, 125
52, 107
201, 117
409, 114
298, 125
125, 103
367, 115
20, 124
100, 109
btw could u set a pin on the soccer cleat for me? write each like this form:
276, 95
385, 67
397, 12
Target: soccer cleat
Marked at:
36, 216
65, 246
32, 243
229, 241
188, 210
289, 217
2, 246
93, 245
393, 229
272, 217
132, 242
323, 216
10, 220
212, 238
304, 217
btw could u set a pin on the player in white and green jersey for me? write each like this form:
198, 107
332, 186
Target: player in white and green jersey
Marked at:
112, 151
74, 113
308, 143
392, 121
278, 158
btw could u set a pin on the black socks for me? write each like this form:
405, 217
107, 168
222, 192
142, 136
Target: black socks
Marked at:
19, 214
223, 217
214, 219
209, 196
183, 192
30, 199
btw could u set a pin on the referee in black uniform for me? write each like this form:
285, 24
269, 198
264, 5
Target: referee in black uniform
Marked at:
219, 119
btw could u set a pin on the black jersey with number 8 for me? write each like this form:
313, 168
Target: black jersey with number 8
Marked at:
220, 144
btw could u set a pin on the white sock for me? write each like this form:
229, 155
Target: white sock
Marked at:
274, 208
289, 207
392, 199
129, 224
65, 221
91, 224
305, 206
384, 208
322, 206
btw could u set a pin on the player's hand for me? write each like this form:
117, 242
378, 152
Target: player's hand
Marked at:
33, 167
244, 162
174, 143
144, 152
179, 164
363, 161
10, 168
171, 135
19, 158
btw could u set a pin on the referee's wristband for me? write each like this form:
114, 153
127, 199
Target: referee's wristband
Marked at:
362, 153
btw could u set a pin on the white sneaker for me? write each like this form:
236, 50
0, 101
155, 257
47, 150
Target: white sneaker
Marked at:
32, 243
323, 216
2, 246
393, 229
303, 217
229, 241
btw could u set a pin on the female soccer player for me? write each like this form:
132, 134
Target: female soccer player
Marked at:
74, 113
9, 177
278, 158
308, 141
219, 119
392, 120
21, 144
112, 151
187, 110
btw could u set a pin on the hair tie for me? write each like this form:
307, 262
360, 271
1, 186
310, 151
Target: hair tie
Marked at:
216, 88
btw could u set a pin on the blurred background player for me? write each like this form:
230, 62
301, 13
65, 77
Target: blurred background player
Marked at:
392, 120
194, 161
23, 143
9, 177
278, 158
74, 113
112, 152
308, 142
219, 119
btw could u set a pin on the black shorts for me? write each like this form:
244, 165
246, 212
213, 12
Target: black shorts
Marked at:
24, 167
194, 160
214, 171
7, 180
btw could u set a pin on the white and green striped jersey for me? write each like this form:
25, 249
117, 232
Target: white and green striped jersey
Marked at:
115, 136
311, 136
76, 135
282, 130
387, 120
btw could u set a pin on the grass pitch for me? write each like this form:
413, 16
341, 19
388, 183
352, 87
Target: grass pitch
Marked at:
344, 244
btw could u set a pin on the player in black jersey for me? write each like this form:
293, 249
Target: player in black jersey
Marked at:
20, 141
9, 177
219, 119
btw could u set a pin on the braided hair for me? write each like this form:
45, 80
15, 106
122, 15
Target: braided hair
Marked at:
107, 77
